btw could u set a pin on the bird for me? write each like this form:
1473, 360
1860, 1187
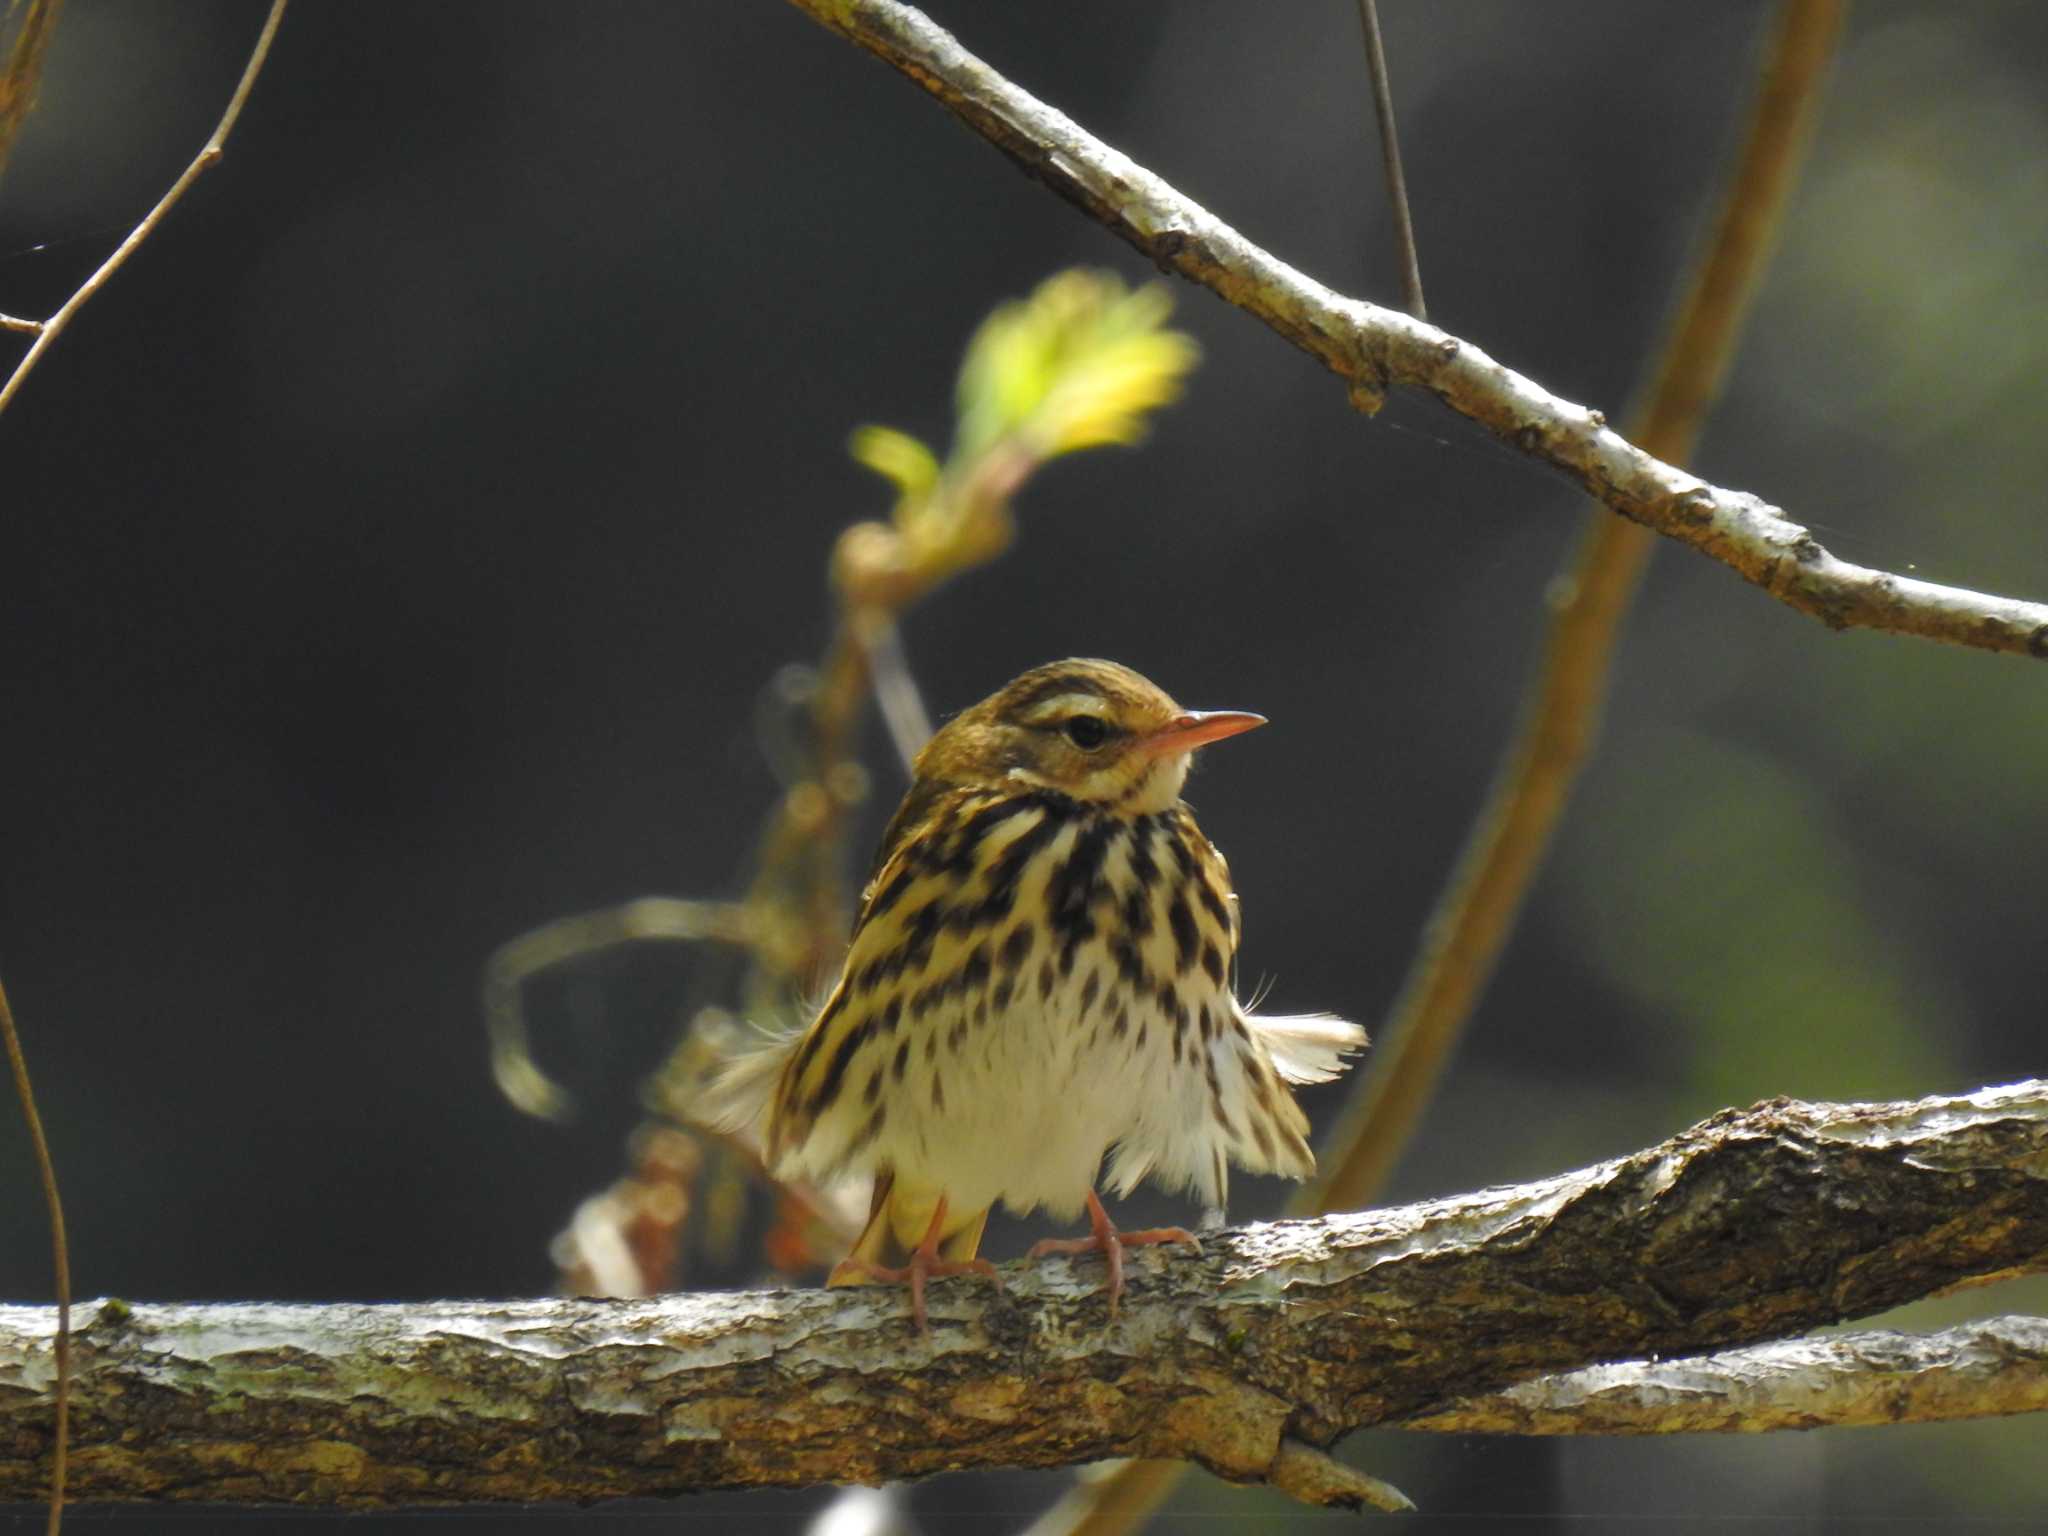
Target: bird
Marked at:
1040, 974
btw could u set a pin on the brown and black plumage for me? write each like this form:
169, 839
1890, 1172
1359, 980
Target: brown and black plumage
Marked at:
1040, 975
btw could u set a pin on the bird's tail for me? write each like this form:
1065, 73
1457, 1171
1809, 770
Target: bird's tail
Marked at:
1307, 1047
736, 1098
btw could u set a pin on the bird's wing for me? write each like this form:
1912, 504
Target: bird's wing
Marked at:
925, 933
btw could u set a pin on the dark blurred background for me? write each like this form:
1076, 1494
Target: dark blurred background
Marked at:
395, 554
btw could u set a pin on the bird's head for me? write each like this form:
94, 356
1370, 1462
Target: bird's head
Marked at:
1091, 730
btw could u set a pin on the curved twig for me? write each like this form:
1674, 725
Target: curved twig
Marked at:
516, 962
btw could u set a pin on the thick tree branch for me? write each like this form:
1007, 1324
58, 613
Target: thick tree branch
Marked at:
1375, 349
1751, 1226
1983, 1370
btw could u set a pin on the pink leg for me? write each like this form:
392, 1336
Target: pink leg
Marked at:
1112, 1243
925, 1264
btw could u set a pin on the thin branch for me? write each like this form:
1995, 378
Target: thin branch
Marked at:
1561, 716
1751, 1226
1390, 161
1375, 349
16, 323
54, 326
1994, 1368
60, 1265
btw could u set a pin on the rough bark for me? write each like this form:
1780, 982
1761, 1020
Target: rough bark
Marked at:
1751, 1226
1982, 1370
1375, 349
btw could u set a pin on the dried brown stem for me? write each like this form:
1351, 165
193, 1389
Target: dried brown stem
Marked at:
60, 1266
1375, 349
53, 327
1749, 1227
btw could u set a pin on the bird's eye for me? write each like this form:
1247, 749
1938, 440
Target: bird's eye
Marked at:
1087, 732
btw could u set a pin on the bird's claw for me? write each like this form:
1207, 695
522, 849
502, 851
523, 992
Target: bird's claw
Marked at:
1107, 1240
923, 1266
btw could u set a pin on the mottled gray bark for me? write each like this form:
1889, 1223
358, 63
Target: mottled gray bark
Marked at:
1275, 1340
1981, 1370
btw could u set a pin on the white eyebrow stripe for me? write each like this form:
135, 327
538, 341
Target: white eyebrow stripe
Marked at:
1062, 705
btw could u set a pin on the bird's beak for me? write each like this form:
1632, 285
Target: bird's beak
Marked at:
1197, 728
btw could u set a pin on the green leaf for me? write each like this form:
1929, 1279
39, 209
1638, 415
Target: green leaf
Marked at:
1079, 364
897, 457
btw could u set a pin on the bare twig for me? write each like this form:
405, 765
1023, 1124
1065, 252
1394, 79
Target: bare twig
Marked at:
60, 1264
16, 323
1748, 1227
1390, 160
211, 152
1477, 911
1375, 349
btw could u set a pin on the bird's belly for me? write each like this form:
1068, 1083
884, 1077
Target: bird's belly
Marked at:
1020, 1104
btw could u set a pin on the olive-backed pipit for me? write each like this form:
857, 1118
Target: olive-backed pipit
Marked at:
1041, 973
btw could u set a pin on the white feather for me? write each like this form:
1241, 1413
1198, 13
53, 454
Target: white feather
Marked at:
737, 1097
1307, 1047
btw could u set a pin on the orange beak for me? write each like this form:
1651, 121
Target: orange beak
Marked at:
1197, 728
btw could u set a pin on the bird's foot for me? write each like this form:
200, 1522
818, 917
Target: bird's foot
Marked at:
1111, 1243
925, 1264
